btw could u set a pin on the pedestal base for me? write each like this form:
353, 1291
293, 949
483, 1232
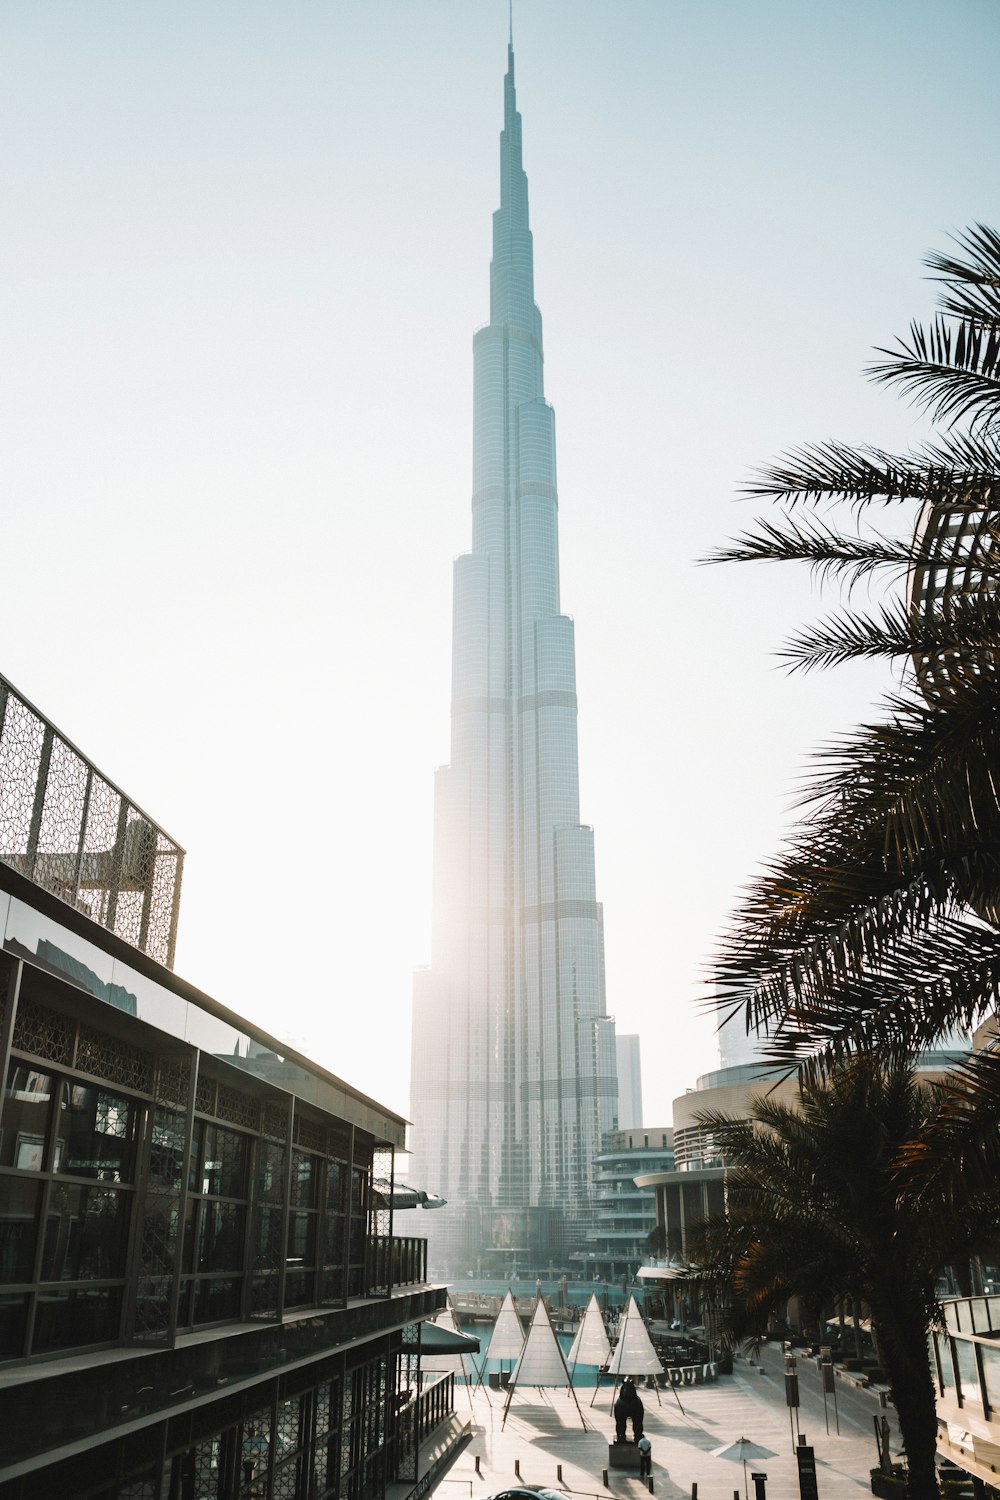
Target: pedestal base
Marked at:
623, 1456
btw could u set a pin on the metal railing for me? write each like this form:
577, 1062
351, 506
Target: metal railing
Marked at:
396, 1262
434, 1405
71, 831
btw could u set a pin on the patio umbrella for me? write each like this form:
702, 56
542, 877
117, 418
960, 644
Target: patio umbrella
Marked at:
743, 1451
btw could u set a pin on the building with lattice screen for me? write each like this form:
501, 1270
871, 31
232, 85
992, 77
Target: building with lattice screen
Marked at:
201, 1290
513, 1066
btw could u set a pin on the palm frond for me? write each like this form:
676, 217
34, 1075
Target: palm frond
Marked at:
972, 286
953, 372
968, 625
837, 471
819, 1003
828, 552
960, 1153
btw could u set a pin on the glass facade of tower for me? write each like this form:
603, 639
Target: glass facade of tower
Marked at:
513, 1078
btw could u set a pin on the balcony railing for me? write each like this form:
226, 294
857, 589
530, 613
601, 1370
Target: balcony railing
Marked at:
434, 1405
399, 1261
967, 1353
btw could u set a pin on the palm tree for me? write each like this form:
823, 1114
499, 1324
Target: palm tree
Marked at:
879, 921
815, 1210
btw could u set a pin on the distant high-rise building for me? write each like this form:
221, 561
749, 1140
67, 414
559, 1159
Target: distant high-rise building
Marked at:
629, 1082
513, 1073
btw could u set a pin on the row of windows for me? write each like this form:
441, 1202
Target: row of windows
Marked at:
218, 1216
337, 1436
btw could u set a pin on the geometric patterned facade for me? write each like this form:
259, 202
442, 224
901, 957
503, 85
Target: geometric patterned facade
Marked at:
513, 1068
67, 828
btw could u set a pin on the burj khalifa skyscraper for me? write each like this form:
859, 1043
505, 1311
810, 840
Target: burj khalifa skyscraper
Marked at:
513, 1066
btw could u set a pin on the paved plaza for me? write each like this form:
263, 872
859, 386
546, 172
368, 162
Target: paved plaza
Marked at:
544, 1430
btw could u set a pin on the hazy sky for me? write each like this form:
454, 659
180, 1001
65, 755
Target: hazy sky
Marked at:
245, 247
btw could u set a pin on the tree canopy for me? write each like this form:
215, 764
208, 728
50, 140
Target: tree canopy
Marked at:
877, 924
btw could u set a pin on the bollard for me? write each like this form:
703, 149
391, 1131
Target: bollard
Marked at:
649, 1483
604, 1478
478, 1469
559, 1478
517, 1467
694, 1490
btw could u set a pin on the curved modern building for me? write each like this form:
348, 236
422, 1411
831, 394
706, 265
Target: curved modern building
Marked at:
513, 1068
956, 548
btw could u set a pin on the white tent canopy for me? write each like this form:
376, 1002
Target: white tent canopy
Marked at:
634, 1353
507, 1338
590, 1345
542, 1361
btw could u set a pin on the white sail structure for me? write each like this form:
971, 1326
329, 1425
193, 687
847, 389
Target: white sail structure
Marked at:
634, 1353
542, 1361
590, 1345
507, 1338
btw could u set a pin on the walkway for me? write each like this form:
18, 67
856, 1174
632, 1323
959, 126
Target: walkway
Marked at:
543, 1430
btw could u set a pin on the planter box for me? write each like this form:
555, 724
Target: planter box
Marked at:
889, 1486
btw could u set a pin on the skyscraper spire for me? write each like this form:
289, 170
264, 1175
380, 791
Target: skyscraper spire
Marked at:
513, 1072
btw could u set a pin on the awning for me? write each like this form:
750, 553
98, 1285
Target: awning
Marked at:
446, 1340
399, 1196
661, 1273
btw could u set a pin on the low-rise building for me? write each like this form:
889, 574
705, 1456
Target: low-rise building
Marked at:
201, 1288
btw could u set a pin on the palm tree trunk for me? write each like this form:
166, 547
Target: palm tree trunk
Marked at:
902, 1339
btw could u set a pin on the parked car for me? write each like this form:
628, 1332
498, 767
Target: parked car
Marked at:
525, 1494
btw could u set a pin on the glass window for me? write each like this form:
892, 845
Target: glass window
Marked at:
85, 1234
217, 1298
19, 1209
218, 1161
13, 1322
302, 1237
27, 1113
336, 1180
221, 1246
76, 1317
98, 1129
256, 1452
225, 1165
271, 1173
303, 1180
166, 1161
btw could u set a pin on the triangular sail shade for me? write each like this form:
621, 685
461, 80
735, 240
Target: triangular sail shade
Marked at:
542, 1361
590, 1345
507, 1338
634, 1353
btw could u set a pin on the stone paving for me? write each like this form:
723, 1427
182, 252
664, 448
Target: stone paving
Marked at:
544, 1429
